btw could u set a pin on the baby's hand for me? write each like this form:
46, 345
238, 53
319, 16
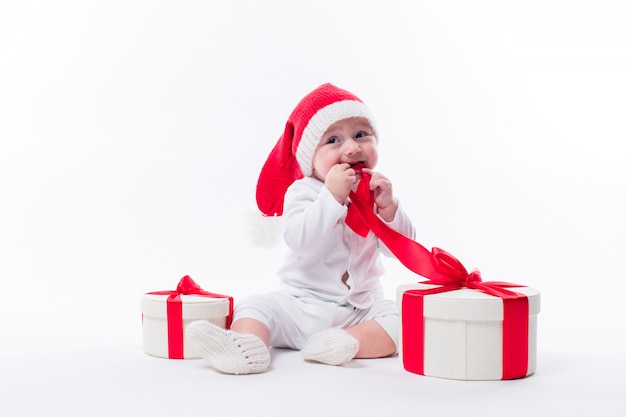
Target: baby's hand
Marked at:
383, 195
339, 181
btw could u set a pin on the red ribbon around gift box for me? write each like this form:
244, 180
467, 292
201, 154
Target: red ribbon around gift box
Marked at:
443, 269
175, 336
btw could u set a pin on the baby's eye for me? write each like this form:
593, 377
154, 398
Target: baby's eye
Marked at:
361, 134
332, 139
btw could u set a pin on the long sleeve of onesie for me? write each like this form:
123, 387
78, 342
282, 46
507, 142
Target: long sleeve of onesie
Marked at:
322, 248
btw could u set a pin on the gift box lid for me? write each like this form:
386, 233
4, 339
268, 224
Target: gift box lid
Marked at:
194, 306
467, 304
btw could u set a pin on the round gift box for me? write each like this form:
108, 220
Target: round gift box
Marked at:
463, 332
194, 307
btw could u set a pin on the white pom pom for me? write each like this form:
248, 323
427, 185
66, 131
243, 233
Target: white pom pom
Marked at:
264, 231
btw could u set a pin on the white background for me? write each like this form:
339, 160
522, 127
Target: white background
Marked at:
132, 134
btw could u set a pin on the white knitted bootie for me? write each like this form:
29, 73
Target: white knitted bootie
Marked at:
227, 351
332, 347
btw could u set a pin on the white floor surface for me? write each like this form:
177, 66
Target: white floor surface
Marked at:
125, 382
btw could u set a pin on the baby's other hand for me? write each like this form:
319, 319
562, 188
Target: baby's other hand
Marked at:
383, 195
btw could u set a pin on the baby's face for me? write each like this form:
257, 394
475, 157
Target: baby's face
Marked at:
349, 141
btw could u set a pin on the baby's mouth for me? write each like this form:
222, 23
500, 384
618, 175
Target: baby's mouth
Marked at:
357, 166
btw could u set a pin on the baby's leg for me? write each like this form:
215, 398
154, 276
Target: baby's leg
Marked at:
229, 351
338, 346
252, 326
374, 341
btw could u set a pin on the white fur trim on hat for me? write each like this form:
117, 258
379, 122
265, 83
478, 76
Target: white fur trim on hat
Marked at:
319, 124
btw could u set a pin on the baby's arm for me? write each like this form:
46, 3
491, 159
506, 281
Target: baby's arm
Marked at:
310, 214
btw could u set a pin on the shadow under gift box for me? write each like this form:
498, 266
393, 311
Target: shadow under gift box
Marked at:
155, 321
463, 332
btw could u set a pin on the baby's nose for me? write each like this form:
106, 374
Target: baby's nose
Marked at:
351, 147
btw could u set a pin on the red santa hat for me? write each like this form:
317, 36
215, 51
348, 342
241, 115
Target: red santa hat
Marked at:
292, 156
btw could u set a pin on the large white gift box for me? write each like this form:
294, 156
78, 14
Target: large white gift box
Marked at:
462, 337
166, 314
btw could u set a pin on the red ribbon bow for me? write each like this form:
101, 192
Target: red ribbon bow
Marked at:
443, 269
175, 337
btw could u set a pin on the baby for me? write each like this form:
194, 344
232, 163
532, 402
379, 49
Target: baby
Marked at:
330, 304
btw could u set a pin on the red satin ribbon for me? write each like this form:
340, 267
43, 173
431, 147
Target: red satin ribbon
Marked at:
175, 337
443, 269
